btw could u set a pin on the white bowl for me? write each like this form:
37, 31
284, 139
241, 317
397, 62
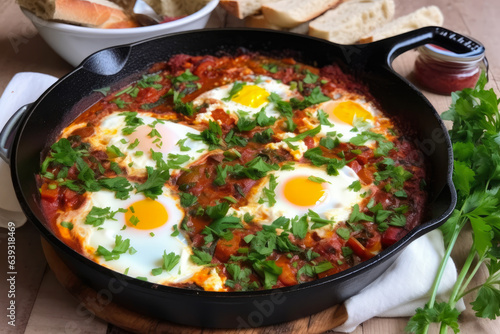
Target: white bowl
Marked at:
75, 43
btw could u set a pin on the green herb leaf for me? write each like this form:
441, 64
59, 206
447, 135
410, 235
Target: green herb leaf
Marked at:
200, 257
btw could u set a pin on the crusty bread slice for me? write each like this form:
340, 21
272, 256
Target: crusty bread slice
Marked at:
243, 8
176, 8
423, 17
90, 13
291, 13
350, 21
259, 21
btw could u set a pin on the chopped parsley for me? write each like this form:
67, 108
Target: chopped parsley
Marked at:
67, 225
237, 87
269, 195
121, 247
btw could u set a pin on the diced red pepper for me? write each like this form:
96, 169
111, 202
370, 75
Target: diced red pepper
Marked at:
71, 199
203, 67
288, 275
355, 166
361, 250
148, 95
49, 195
366, 176
223, 117
309, 141
391, 235
225, 248
364, 157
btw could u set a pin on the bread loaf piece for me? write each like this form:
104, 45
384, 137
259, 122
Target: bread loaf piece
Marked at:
291, 13
241, 8
176, 8
244, 8
350, 21
91, 13
423, 17
259, 21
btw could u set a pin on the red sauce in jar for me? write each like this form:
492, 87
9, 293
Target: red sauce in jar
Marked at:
443, 72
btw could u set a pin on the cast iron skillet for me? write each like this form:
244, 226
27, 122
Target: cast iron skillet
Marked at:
29, 133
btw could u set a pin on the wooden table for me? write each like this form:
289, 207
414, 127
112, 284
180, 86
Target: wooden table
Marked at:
43, 306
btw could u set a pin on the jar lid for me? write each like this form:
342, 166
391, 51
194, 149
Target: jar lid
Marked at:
443, 54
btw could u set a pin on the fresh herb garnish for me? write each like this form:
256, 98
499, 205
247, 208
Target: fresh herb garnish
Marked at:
476, 148
121, 247
269, 195
237, 87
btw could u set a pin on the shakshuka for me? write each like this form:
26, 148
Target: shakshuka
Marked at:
233, 173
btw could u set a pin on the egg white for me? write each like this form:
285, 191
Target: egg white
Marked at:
149, 248
214, 98
299, 147
335, 205
345, 131
110, 133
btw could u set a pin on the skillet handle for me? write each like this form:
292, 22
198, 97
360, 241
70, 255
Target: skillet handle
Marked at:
8, 132
392, 47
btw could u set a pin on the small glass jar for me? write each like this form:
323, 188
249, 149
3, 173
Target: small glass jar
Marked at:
442, 71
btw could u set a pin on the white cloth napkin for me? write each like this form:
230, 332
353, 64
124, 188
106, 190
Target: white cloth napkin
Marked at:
405, 286
397, 293
24, 87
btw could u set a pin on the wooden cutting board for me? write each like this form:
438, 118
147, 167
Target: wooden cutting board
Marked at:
138, 323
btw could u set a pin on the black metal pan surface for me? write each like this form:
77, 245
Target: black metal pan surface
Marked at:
29, 133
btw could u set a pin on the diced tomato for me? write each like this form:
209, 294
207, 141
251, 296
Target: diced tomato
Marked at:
244, 185
334, 270
49, 195
50, 201
391, 235
197, 224
84, 132
364, 157
366, 176
383, 197
309, 141
225, 248
221, 115
288, 275
198, 240
203, 67
73, 172
374, 244
148, 95
361, 250
355, 166
71, 199
329, 246
309, 240
289, 61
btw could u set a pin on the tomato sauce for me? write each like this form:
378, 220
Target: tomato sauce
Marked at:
310, 256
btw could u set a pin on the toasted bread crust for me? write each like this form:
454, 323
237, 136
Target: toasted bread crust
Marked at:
279, 13
86, 13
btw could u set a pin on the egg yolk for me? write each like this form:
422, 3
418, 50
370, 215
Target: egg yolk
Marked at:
303, 192
146, 214
251, 96
345, 111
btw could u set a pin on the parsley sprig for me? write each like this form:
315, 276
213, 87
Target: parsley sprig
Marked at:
476, 147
